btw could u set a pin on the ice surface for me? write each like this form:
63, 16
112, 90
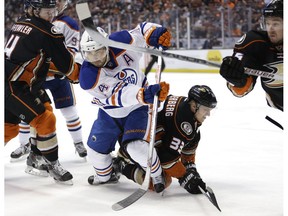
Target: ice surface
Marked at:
240, 156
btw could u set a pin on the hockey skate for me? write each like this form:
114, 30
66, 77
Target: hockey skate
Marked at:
158, 183
80, 149
118, 164
94, 180
18, 153
36, 165
59, 174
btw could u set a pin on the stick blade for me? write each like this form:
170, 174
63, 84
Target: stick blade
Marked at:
213, 198
83, 10
129, 200
208, 192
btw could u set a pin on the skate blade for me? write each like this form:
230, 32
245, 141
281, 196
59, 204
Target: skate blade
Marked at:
68, 182
84, 159
36, 172
21, 158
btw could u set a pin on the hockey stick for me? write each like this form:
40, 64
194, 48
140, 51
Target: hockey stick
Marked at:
208, 192
145, 185
274, 122
87, 21
264, 74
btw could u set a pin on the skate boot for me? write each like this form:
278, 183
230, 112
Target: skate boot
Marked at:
158, 183
18, 153
118, 165
36, 165
80, 149
94, 180
59, 173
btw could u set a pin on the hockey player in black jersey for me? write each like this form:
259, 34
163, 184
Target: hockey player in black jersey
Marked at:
177, 138
33, 43
261, 50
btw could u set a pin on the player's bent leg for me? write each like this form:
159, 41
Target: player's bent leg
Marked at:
138, 151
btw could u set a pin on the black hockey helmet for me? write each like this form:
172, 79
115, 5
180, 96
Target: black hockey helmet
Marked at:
202, 95
274, 8
37, 4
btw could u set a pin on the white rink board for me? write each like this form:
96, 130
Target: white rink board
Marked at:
175, 65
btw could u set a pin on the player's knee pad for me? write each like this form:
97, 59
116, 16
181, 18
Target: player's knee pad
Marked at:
11, 131
45, 123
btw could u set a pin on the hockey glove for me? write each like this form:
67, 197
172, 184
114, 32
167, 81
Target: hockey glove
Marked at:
146, 95
191, 180
233, 71
158, 36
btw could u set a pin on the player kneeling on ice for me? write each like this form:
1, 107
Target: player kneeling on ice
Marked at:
121, 90
177, 138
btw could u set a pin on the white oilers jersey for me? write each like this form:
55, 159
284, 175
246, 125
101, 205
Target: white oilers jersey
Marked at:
69, 28
115, 86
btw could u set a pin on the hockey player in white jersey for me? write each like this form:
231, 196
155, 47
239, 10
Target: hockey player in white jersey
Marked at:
60, 88
122, 92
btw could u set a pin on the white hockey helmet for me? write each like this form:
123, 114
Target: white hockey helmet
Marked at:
93, 51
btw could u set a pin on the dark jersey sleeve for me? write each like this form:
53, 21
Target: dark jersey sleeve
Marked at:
56, 48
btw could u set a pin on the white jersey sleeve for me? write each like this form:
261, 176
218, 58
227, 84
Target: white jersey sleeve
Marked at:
70, 29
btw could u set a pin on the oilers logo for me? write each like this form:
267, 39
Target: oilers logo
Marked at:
128, 76
97, 102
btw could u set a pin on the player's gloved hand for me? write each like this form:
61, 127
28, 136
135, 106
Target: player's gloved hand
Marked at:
191, 180
158, 36
146, 95
233, 71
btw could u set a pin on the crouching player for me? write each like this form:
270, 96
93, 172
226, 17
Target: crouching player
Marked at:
177, 138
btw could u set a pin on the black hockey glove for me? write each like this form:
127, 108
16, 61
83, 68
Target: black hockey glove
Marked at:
233, 71
191, 180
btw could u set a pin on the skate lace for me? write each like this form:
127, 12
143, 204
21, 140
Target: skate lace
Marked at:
58, 169
21, 149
